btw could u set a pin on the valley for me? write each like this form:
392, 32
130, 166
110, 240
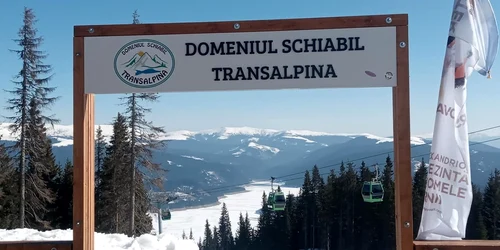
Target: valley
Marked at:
205, 165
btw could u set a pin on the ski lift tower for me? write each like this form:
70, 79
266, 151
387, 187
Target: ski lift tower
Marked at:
159, 201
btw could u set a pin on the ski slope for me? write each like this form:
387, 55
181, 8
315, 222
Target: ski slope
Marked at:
249, 201
170, 239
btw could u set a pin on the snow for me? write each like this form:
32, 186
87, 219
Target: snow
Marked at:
298, 138
170, 239
263, 147
237, 153
413, 139
193, 157
249, 201
64, 134
307, 133
181, 135
62, 142
103, 241
226, 132
254, 139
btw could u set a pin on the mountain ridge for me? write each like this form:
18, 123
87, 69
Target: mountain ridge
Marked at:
64, 132
202, 163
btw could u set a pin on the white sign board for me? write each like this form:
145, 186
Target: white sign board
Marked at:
302, 59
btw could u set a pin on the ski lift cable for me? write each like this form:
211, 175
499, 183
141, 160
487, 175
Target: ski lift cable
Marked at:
223, 188
228, 187
472, 144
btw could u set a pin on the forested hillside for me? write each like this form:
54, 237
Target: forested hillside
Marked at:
330, 213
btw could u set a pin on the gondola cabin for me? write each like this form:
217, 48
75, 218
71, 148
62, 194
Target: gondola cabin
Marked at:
372, 191
277, 201
166, 215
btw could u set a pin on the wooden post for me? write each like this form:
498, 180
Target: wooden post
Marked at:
402, 146
83, 154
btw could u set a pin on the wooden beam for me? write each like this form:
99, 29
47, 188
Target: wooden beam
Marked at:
458, 245
244, 26
83, 154
402, 147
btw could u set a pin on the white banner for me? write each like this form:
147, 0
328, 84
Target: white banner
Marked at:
472, 46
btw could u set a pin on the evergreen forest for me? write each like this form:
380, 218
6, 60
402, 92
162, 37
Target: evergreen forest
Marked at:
329, 213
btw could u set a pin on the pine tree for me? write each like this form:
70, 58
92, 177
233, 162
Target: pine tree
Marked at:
216, 239
293, 226
100, 153
243, 240
41, 170
143, 222
143, 140
65, 196
307, 205
491, 208
208, 240
365, 173
53, 179
200, 244
318, 226
418, 194
332, 210
387, 218
6, 170
476, 229
264, 231
111, 215
184, 235
30, 84
8, 190
191, 234
225, 232
351, 190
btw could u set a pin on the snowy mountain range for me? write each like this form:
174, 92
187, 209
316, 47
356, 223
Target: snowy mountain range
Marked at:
199, 162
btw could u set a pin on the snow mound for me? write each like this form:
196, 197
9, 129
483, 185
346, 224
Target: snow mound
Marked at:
103, 241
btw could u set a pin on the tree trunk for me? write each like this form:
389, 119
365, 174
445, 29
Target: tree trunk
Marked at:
22, 178
132, 167
22, 162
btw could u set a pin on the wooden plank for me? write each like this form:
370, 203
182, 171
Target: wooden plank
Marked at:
36, 245
83, 155
458, 245
402, 147
244, 26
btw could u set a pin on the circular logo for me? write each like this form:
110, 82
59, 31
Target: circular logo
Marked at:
144, 63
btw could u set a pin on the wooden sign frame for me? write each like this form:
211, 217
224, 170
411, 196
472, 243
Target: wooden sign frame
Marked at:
83, 108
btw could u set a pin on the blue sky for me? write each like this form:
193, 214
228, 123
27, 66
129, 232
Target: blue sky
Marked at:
333, 110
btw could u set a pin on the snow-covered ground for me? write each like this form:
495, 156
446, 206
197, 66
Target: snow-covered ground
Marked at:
103, 241
250, 201
170, 239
